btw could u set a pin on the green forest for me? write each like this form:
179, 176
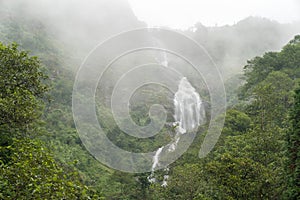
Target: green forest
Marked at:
42, 157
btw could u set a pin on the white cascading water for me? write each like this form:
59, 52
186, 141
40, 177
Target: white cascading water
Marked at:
187, 103
155, 164
189, 114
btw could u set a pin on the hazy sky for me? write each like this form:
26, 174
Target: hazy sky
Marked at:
185, 13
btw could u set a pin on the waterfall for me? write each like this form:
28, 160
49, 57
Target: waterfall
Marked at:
187, 102
189, 114
155, 164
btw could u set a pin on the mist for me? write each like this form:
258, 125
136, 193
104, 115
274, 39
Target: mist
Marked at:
81, 25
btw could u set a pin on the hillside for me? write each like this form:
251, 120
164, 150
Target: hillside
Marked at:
258, 58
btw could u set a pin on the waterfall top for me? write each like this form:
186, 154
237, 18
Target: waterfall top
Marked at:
185, 86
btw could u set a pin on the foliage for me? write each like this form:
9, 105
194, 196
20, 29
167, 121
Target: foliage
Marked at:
21, 87
293, 149
32, 173
257, 69
272, 98
236, 122
28, 170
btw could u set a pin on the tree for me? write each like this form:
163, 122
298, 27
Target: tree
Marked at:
22, 86
293, 150
236, 123
32, 173
27, 169
258, 69
271, 99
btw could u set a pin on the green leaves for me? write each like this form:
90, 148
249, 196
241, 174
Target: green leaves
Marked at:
21, 87
32, 173
27, 169
258, 69
272, 98
293, 150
